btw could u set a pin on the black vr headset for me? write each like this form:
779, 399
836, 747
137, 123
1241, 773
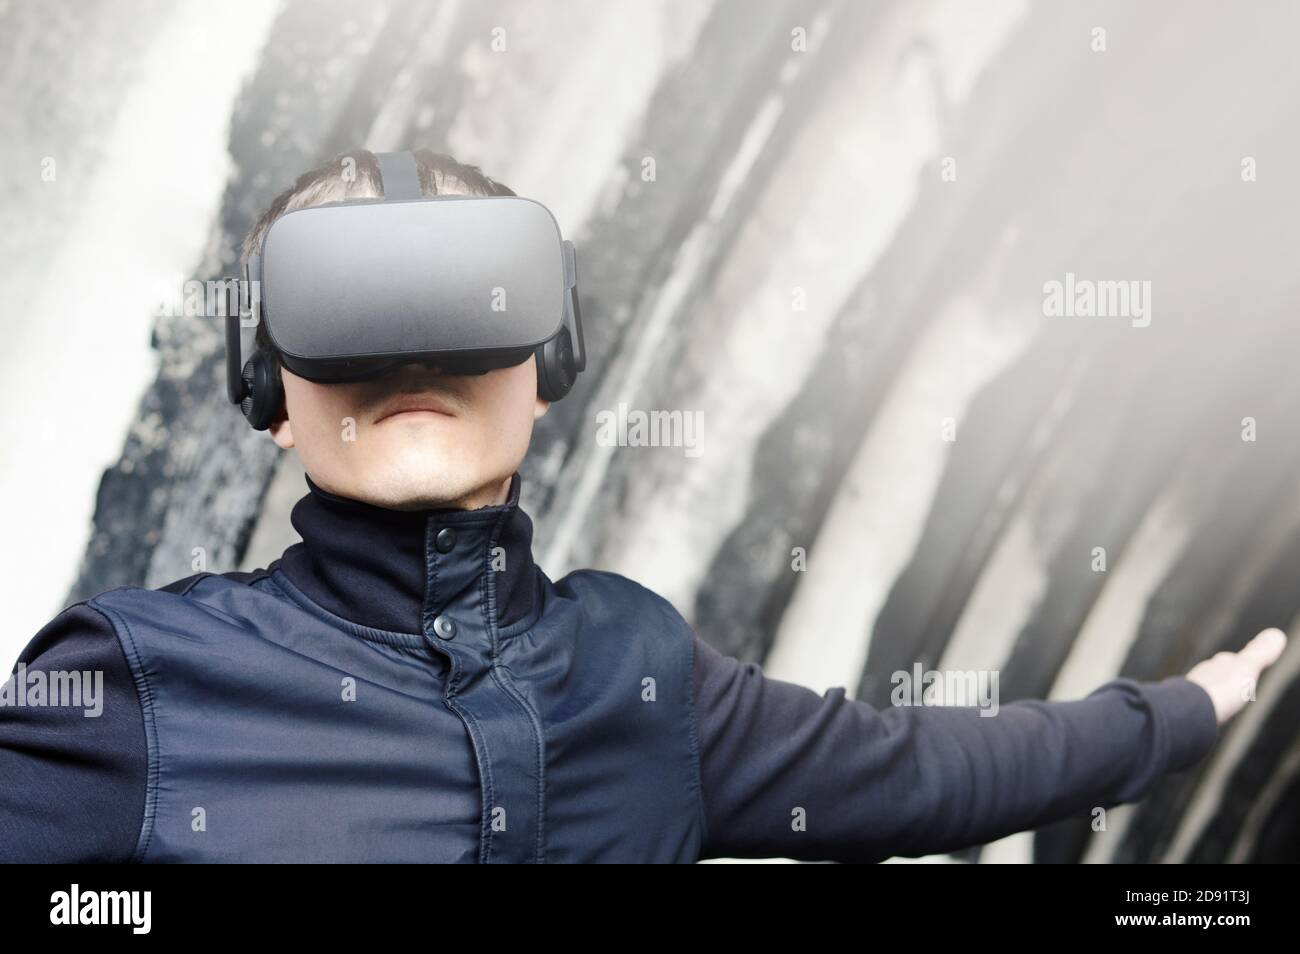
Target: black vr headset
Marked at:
353, 289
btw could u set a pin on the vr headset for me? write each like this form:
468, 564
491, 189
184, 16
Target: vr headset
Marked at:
351, 290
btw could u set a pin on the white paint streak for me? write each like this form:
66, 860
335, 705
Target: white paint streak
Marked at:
148, 212
1112, 624
877, 517
1010, 586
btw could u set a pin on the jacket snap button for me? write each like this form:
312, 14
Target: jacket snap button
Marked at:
445, 540
445, 627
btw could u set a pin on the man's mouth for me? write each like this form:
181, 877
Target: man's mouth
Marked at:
415, 406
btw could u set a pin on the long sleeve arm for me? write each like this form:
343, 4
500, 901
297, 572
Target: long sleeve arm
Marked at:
869, 784
72, 787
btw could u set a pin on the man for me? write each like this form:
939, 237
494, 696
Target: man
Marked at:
406, 684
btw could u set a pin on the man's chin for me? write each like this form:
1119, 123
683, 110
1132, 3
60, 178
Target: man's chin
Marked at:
423, 479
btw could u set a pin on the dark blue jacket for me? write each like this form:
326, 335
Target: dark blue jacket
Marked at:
410, 686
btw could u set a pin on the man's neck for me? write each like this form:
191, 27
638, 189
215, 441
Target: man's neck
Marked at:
389, 569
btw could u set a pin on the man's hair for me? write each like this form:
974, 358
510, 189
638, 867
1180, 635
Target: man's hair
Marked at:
355, 175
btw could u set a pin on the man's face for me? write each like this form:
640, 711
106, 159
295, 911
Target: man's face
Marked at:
414, 437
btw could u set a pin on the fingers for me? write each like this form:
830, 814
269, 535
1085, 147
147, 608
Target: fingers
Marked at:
1264, 650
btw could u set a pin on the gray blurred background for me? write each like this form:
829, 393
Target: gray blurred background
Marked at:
826, 227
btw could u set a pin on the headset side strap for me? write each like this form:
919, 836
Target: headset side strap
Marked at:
235, 388
572, 314
241, 295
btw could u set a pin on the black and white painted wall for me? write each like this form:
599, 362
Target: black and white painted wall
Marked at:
828, 232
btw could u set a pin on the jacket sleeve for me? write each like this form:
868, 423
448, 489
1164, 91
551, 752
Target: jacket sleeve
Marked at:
921, 780
72, 786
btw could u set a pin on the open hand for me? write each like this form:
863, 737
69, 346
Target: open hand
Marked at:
1230, 678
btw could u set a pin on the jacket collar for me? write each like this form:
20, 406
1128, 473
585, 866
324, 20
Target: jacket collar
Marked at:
396, 569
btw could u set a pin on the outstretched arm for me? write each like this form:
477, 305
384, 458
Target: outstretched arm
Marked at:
787, 772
